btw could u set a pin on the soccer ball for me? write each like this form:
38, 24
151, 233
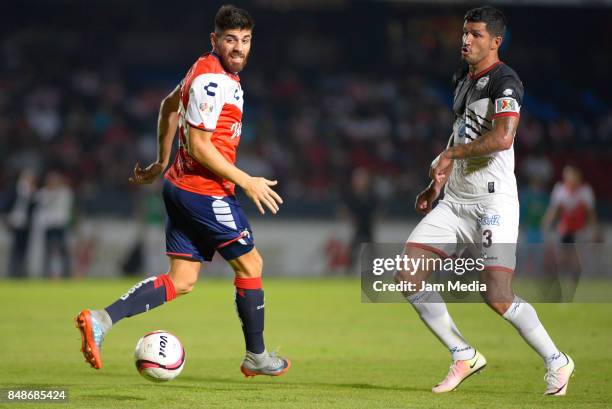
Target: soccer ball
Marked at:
159, 356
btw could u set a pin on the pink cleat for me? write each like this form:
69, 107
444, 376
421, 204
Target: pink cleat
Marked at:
460, 371
557, 380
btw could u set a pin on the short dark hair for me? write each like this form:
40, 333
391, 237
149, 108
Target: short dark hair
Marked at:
494, 19
230, 17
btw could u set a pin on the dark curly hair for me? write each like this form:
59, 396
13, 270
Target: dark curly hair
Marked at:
494, 19
230, 17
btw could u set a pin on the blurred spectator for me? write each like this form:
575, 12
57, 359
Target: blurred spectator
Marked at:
534, 201
360, 204
317, 109
19, 220
537, 170
53, 215
573, 204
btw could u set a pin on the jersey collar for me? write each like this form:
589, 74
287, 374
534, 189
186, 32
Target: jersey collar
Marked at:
483, 72
232, 75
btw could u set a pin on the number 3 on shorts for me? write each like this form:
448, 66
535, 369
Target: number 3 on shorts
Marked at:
487, 238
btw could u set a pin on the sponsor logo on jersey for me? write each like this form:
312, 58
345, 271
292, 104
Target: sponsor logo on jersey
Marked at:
507, 92
489, 220
482, 82
206, 107
506, 105
210, 89
488, 258
243, 234
475, 164
236, 129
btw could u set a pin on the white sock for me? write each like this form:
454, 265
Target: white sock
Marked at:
525, 319
103, 318
432, 310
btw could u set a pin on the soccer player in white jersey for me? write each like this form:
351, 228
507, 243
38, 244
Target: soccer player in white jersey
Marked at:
480, 207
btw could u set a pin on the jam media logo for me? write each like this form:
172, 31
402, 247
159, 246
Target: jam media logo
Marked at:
489, 220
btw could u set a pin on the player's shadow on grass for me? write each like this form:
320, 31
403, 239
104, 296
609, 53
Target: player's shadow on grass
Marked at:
111, 397
253, 384
68, 386
38, 385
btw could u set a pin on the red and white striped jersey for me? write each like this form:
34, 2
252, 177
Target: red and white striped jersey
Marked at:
211, 100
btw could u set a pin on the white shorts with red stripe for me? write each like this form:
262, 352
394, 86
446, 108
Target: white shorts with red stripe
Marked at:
488, 229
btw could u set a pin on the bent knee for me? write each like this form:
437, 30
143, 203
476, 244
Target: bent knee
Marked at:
183, 287
251, 269
183, 274
499, 307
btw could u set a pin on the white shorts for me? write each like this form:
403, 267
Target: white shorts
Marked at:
488, 230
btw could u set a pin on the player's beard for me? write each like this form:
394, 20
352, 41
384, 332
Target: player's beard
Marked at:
233, 67
471, 59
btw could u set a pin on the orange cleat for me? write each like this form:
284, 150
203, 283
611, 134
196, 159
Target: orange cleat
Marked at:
92, 336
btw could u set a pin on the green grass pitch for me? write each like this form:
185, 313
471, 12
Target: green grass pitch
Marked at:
345, 354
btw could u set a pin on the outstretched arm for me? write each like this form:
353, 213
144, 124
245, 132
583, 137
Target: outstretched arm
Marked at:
167, 122
258, 189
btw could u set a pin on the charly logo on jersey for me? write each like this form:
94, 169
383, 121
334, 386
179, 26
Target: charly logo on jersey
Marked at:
210, 89
489, 220
238, 93
507, 92
506, 105
482, 82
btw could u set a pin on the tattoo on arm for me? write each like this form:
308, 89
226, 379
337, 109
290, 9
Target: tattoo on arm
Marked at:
498, 139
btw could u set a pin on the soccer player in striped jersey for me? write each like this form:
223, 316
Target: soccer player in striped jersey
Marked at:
480, 208
203, 215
